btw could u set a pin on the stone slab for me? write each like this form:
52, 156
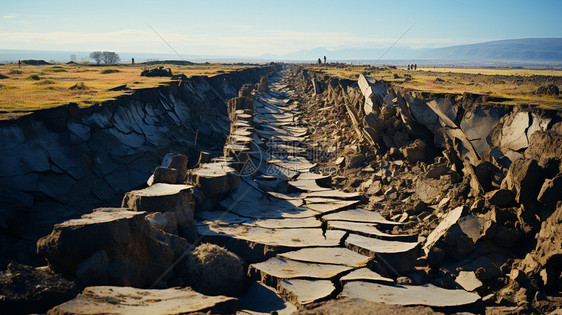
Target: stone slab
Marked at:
358, 215
328, 255
127, 300
428, 295
303, 292
338, 194
364, 274
368, 229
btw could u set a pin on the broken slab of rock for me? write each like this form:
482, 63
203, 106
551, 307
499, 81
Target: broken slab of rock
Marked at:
395, 257
127, 300
468, 280
273, 270
303, 292
446, 223
163, 175
214, 179
257, 244
163, 198
359, 215
328, 255
178, 162
110, 246
551, 192
428, 295
525, 178
364, 274
500, 197
326, 205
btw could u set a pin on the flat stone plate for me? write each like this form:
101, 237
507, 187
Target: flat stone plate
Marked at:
309, 222
332, 206
428, 294
127, 300
294, 238
328, 255
288, 269
307, 185
369, 229
359, 215
364, 274
292, 196
335, 194
375, 245
302, 292
101, 215
161, 189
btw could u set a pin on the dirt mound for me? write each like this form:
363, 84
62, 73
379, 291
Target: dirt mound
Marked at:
550, 89
214, 270
35, 62
157, 72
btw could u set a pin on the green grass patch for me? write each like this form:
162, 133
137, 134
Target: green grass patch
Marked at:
35, 77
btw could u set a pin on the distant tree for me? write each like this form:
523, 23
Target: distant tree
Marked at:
73, 57
319, 61
110, 57
97, 56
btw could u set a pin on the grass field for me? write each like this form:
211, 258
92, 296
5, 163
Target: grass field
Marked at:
516, 85
497, 71
36, 87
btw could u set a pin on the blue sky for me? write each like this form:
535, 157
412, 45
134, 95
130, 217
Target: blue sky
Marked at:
253, 28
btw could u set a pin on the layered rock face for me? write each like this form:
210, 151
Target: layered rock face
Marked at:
59, 163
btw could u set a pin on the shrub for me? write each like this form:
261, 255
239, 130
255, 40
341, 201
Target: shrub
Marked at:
106, 71
45, 82
35, 77
79, 86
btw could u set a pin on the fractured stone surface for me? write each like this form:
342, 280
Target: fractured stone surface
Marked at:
127, 300
364, 274
288, 269
398, 257
328, 255
302, 292
428, 294
359, 215
368, 229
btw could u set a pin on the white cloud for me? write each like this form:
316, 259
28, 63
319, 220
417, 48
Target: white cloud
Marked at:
11, 16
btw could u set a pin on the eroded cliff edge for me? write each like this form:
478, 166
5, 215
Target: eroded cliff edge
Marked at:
59, 163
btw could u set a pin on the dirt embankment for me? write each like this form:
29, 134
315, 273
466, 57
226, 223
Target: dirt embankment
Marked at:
57, 163
418, 156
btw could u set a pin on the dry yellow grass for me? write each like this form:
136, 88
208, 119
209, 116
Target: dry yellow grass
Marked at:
497, 71
513, 84
31, 88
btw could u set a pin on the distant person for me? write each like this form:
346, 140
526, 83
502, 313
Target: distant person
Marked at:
408, 67
415, 66
19, 63
133, 61
324, 59
319, 61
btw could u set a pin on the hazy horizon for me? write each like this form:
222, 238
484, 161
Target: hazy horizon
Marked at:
254, 28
